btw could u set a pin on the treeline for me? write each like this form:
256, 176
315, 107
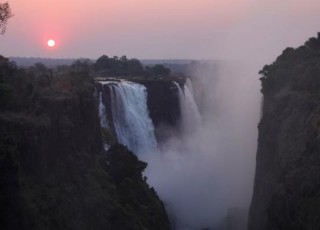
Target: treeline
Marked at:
18, 85
127, 67
21, 87
296, 68
105, 66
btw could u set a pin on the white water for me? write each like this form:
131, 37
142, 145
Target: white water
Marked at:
206, 172
103, 117
102, 113
190, 116
132, 123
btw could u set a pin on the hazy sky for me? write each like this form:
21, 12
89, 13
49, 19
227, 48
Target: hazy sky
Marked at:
201, 29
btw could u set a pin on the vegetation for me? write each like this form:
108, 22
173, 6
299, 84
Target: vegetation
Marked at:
297, 68
5, 14
157, 70
122, 66
134, 194
54, 173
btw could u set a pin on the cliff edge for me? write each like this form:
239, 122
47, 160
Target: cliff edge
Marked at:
287, 181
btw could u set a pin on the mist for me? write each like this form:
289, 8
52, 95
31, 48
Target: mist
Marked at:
201, 174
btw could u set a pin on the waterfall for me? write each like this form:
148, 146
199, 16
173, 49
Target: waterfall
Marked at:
102, 113
130, 116
123, 110
190, 116
103, 117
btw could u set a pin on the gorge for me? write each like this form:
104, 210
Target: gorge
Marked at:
197, 149
46, 174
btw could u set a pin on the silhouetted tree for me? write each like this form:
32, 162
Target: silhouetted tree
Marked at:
103, 62
123, 66
135, 67
5, 14
313, 43
115, 66
157, 70
81, 65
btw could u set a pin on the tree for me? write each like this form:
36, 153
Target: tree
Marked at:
158, 70
103, 62
5, 14
135, 67
81, 65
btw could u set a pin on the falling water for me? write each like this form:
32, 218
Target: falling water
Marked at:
130, 114
190, 116
102, 113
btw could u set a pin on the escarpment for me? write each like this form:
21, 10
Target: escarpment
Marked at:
287, 181
54, 172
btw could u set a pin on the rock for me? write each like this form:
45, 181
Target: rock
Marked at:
287, 185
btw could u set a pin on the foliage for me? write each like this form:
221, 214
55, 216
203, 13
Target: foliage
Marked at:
16, 87
157, 70
298, 69
141, 207
118, 66
126, 67
5, 14
21, 88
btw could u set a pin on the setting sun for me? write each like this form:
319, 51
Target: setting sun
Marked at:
51, 43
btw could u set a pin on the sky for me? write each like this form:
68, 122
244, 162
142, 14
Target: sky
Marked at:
156, 29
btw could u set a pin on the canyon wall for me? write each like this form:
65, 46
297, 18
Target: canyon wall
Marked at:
287, 184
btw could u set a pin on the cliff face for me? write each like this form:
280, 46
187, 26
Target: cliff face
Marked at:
287, 181
54, 173
163, 102
45, 153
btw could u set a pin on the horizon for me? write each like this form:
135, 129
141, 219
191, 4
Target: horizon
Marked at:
205, 30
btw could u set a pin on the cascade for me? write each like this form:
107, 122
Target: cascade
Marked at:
102, 113
103, 116
130, 116
190, 115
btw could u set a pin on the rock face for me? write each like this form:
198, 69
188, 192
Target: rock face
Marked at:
163, 102
164, 107
236, 219
54, 173
287, 181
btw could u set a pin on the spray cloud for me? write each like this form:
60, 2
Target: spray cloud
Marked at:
201, 174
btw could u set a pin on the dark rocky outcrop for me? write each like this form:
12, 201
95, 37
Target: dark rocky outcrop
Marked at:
163, 102
143, 209
164, 107
54, 173
287, 181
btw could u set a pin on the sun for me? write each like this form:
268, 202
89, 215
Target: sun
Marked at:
51, 43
